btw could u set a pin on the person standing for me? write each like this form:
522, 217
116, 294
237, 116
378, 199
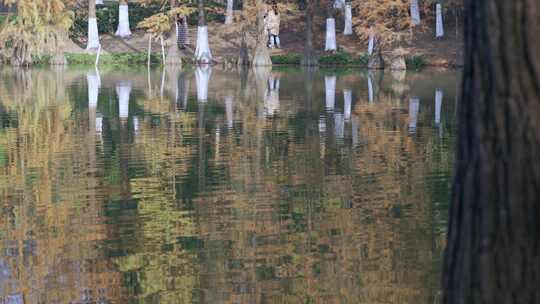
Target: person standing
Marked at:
273, 21
181, 31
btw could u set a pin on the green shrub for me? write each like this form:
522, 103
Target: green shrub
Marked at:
4, 17
342, 58
116, 58
287, 59
339, 58
42, 59
415, 62
361, 60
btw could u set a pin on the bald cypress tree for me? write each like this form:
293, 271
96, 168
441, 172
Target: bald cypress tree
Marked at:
493, 253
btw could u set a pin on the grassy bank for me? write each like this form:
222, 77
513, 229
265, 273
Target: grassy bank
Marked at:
292, 59
346, 60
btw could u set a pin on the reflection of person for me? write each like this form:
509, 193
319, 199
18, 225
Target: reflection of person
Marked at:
271, 98
272, 25
181, 31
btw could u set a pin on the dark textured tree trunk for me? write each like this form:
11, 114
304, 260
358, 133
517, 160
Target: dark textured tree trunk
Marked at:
493, 253
309, 57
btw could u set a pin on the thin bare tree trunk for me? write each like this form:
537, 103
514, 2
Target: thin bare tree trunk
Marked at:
493, 252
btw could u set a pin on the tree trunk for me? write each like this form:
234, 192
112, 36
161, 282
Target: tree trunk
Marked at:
261, 56
202, 17
415, 13
93, 34
229, 13
330, 45
439, 28
202, 52
123, 20
174, 56
21, 56
348, 19
493, 253
91, 8
310, 57
243, 58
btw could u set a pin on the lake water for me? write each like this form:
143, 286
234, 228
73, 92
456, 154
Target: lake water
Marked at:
216, 186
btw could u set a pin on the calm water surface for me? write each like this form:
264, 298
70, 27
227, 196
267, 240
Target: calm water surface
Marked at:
214, 186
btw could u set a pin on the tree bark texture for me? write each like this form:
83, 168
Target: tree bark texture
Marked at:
310, 57
493, 253
91, 8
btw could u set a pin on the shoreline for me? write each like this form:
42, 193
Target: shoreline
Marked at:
334, 60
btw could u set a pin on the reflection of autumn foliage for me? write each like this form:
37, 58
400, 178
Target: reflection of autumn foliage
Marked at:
346, 237
190, 208
48, 229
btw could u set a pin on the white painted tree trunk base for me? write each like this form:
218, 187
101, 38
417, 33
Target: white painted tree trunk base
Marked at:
438, 105
202, 78
348, 20
439, 30
123, 22
414, 108
202, 52
330, 44
229, 12
123, 91
93, 35
330, 90
415, 13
